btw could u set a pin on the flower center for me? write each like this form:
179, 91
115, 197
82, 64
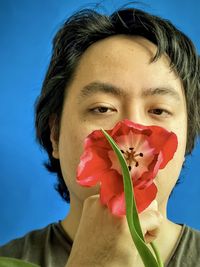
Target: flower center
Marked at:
130, 156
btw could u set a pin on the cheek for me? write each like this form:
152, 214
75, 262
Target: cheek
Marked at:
168, 177
70, 150
71, 140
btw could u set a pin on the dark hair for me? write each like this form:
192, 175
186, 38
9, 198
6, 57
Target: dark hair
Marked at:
87, 27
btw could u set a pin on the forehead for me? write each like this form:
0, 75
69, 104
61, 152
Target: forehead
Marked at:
129, 47
125, 62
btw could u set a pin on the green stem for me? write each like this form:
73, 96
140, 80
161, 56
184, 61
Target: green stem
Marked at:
157, 254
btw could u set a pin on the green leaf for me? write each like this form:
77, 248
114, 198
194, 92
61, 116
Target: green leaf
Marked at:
131, 210
11, 262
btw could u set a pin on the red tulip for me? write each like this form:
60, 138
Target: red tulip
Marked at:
146, 149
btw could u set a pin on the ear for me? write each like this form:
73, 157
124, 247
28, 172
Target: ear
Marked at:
54, 135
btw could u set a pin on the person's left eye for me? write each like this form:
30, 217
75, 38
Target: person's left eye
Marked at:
160, 112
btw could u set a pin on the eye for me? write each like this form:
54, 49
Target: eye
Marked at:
160, 112
102, 109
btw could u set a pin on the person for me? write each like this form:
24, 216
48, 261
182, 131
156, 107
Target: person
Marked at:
103, 69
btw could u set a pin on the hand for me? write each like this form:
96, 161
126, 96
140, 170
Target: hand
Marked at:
105, 240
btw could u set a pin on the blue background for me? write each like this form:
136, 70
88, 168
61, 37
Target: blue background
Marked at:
27, 196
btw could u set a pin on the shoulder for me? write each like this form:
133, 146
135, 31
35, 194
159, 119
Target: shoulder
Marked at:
190, 239
186, 252
30, 240
40, 246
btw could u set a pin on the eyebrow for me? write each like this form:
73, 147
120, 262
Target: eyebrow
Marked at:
162, 91
107, 88
100, 87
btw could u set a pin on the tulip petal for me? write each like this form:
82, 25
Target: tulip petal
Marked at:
117, 205
111, 185
145, 197
92, 164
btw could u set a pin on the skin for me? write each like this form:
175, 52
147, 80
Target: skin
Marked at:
123, 62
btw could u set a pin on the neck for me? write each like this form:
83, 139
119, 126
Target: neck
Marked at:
72, 220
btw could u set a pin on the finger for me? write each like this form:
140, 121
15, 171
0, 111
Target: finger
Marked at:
150, 222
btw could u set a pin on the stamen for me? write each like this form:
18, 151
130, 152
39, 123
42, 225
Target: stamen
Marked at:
130, 156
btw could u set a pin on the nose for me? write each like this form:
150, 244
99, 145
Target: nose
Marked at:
135, 111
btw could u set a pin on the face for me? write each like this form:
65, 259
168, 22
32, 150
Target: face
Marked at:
114, 80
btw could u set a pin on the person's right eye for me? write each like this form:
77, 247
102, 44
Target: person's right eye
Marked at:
102, 110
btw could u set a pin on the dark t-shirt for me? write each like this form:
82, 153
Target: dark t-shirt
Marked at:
51, 246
